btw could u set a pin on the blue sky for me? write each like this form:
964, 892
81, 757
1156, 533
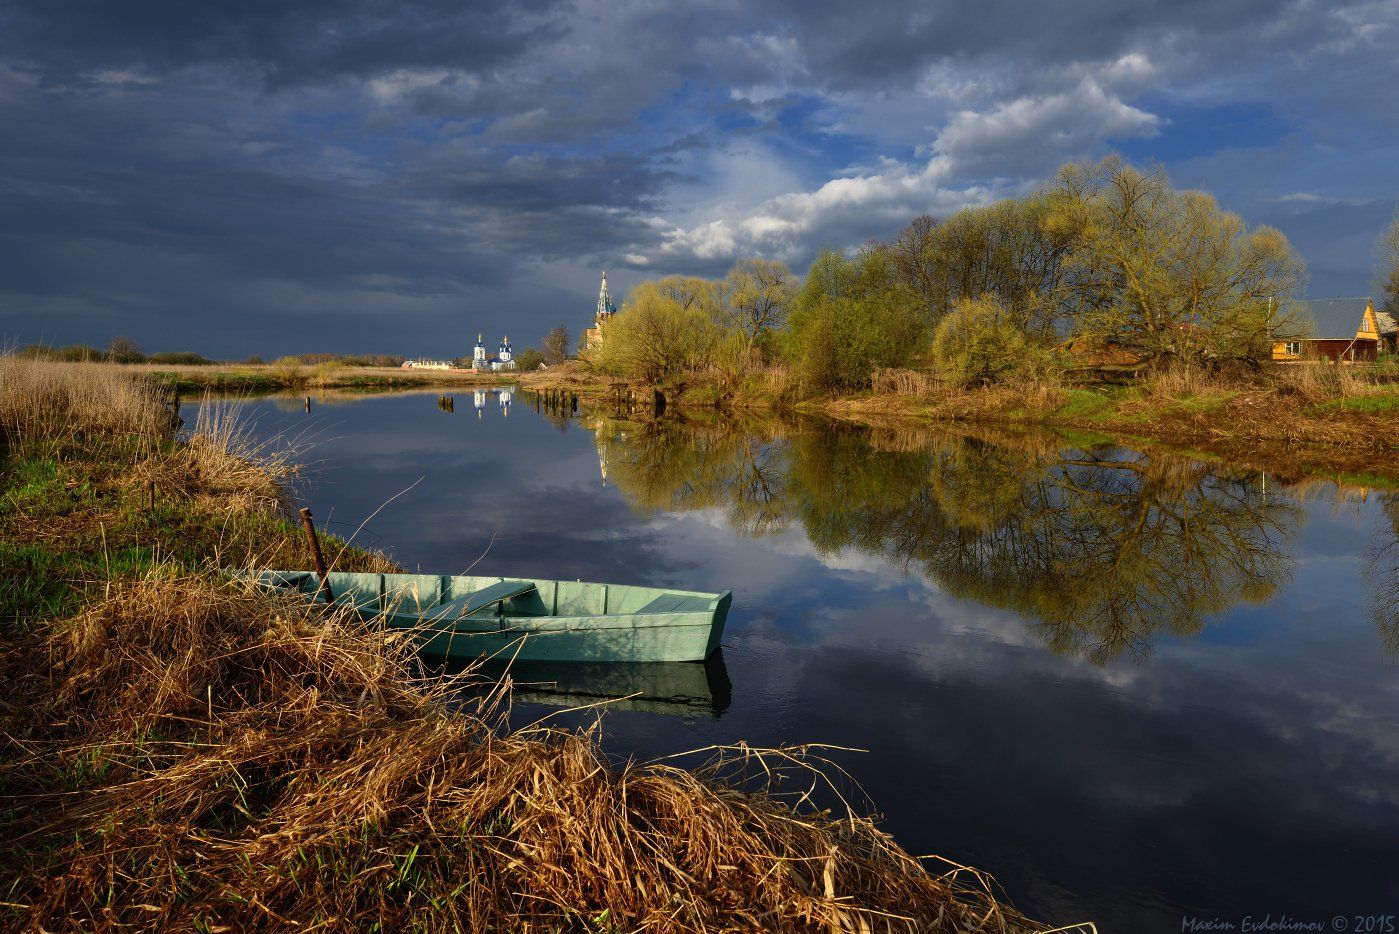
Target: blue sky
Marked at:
375, 176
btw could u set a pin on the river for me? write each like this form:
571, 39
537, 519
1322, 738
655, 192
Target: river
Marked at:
1135, 689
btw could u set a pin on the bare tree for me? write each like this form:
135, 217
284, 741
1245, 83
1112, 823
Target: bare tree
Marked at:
760, 294
1389, 266
556, 345
124, 350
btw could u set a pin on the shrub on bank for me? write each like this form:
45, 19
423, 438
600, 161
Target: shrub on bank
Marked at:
180, 358
664, 337
528, 360
979, 343
853, 316
288, 370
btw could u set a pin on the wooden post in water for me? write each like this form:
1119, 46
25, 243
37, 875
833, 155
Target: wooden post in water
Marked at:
308, 403
316, 554
574, 399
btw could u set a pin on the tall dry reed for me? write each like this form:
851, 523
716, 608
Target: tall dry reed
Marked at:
223, 463
59, 403
1319, 380
893, 381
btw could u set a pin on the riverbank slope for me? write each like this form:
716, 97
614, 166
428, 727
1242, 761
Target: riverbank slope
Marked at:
1299, 423
181, 751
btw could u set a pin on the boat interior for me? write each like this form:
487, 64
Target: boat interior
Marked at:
447, 597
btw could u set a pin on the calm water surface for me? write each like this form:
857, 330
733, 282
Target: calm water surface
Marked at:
1133, 688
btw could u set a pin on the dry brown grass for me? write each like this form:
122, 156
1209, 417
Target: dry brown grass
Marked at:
1309, 381
61, 403
1183, 381
214, 758
222, 465
1319, 382
902, 382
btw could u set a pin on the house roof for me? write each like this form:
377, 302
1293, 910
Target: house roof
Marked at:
1333, 318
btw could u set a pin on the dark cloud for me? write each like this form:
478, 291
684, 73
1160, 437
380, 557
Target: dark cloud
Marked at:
166, 165
282, 43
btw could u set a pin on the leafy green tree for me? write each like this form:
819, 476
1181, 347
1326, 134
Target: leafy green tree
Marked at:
666, 333
854, 315
1012, 249
1168, 274
693, 293
529, 359
979, 342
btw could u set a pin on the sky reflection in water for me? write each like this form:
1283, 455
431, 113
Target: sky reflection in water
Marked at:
1132, 688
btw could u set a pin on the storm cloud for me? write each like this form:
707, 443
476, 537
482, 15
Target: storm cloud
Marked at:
212, 176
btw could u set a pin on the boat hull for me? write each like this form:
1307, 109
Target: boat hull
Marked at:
679, 638
555, 621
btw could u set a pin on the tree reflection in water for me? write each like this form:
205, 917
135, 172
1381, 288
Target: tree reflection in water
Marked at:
1103, 548
1383, 570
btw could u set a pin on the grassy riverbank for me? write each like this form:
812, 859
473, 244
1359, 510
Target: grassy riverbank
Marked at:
1295, 426
183, 752
1299, 421
250, 378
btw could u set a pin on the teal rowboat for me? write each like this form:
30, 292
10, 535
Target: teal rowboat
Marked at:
529, 619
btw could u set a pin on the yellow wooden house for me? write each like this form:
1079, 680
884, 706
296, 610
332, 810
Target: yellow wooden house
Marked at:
1345, 330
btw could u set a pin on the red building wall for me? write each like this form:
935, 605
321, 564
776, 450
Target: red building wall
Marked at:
1359, 350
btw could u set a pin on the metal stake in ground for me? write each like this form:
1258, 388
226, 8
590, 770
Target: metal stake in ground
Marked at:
316, 554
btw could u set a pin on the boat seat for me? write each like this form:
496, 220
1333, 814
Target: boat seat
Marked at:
675, 603
479, 600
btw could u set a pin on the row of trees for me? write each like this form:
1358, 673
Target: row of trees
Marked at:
681, 325
1106, 256
119, 350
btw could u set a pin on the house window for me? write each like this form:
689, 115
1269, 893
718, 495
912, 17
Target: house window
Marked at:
1293, 348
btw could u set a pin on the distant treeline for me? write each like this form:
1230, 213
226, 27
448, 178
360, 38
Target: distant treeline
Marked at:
1108, 260
120, 350
125, 350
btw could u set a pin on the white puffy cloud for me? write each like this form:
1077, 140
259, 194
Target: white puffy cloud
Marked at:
977, 155
1025, 135
842, 212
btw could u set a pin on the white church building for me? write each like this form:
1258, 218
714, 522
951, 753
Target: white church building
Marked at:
503, 360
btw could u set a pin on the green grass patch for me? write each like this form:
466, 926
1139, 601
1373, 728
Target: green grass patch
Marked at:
32, 484
1376, 405
1086, 404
